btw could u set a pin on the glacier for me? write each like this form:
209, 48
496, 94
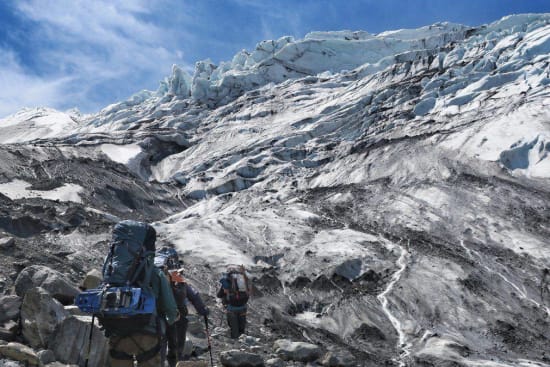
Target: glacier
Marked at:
389, 193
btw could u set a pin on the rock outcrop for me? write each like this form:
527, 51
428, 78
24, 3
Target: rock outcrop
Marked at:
19, 352
237, 358
70, 342
40, 315
92, 279
9, 307
296, 351
51, 280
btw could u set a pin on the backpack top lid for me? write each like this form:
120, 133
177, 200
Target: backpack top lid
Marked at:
133, 232
131, 240
231, 269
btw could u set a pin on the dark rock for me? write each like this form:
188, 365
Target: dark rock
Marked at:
349, 269
9, 308
46, 356
296, 351
195, 326
40, 315
8, 330
338, 359
274, 362
237, 358
53, 281
6, 243
369, 332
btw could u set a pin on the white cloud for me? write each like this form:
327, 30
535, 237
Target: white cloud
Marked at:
23, 90
85, 45
92, 53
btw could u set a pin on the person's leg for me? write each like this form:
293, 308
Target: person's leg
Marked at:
233, 322
181, 326
146, 343
242, 323
172, 344
135, 345
117, 344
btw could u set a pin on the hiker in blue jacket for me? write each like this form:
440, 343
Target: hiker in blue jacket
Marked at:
176, 333
234, 292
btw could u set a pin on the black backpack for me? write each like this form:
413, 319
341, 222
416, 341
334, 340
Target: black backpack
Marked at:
238, 292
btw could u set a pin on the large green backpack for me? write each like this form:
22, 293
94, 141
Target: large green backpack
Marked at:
127, 273
128, 260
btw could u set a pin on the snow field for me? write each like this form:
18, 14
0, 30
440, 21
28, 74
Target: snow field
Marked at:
18, 189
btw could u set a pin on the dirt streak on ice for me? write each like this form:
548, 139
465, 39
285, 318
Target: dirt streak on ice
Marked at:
521, 293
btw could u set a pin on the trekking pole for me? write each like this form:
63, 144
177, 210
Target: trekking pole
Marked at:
90, 341
209, 342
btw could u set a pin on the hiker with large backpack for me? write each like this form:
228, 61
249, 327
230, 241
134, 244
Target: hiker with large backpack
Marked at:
235, 292
167, 259
134, 303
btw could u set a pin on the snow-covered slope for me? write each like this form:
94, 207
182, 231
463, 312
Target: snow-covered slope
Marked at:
39, 123
390, 192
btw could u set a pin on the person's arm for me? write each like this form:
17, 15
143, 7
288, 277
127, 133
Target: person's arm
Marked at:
221, 293
167, 303
196, 300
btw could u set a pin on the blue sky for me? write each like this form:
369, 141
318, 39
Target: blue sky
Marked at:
90, 53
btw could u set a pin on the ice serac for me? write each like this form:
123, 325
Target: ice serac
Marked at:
388, 193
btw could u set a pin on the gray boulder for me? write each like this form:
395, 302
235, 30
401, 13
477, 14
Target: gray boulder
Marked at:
194, 345
19, 352
92, 279
9, 308
274, 362
46, 356
237, 358
40, 315
6, 243
53, 281
69, 342
8, 330
249, 340
195, 326
338, 359
296, 351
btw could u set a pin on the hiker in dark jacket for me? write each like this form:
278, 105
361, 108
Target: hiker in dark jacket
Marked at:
176, 333
234, 292
145, 346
